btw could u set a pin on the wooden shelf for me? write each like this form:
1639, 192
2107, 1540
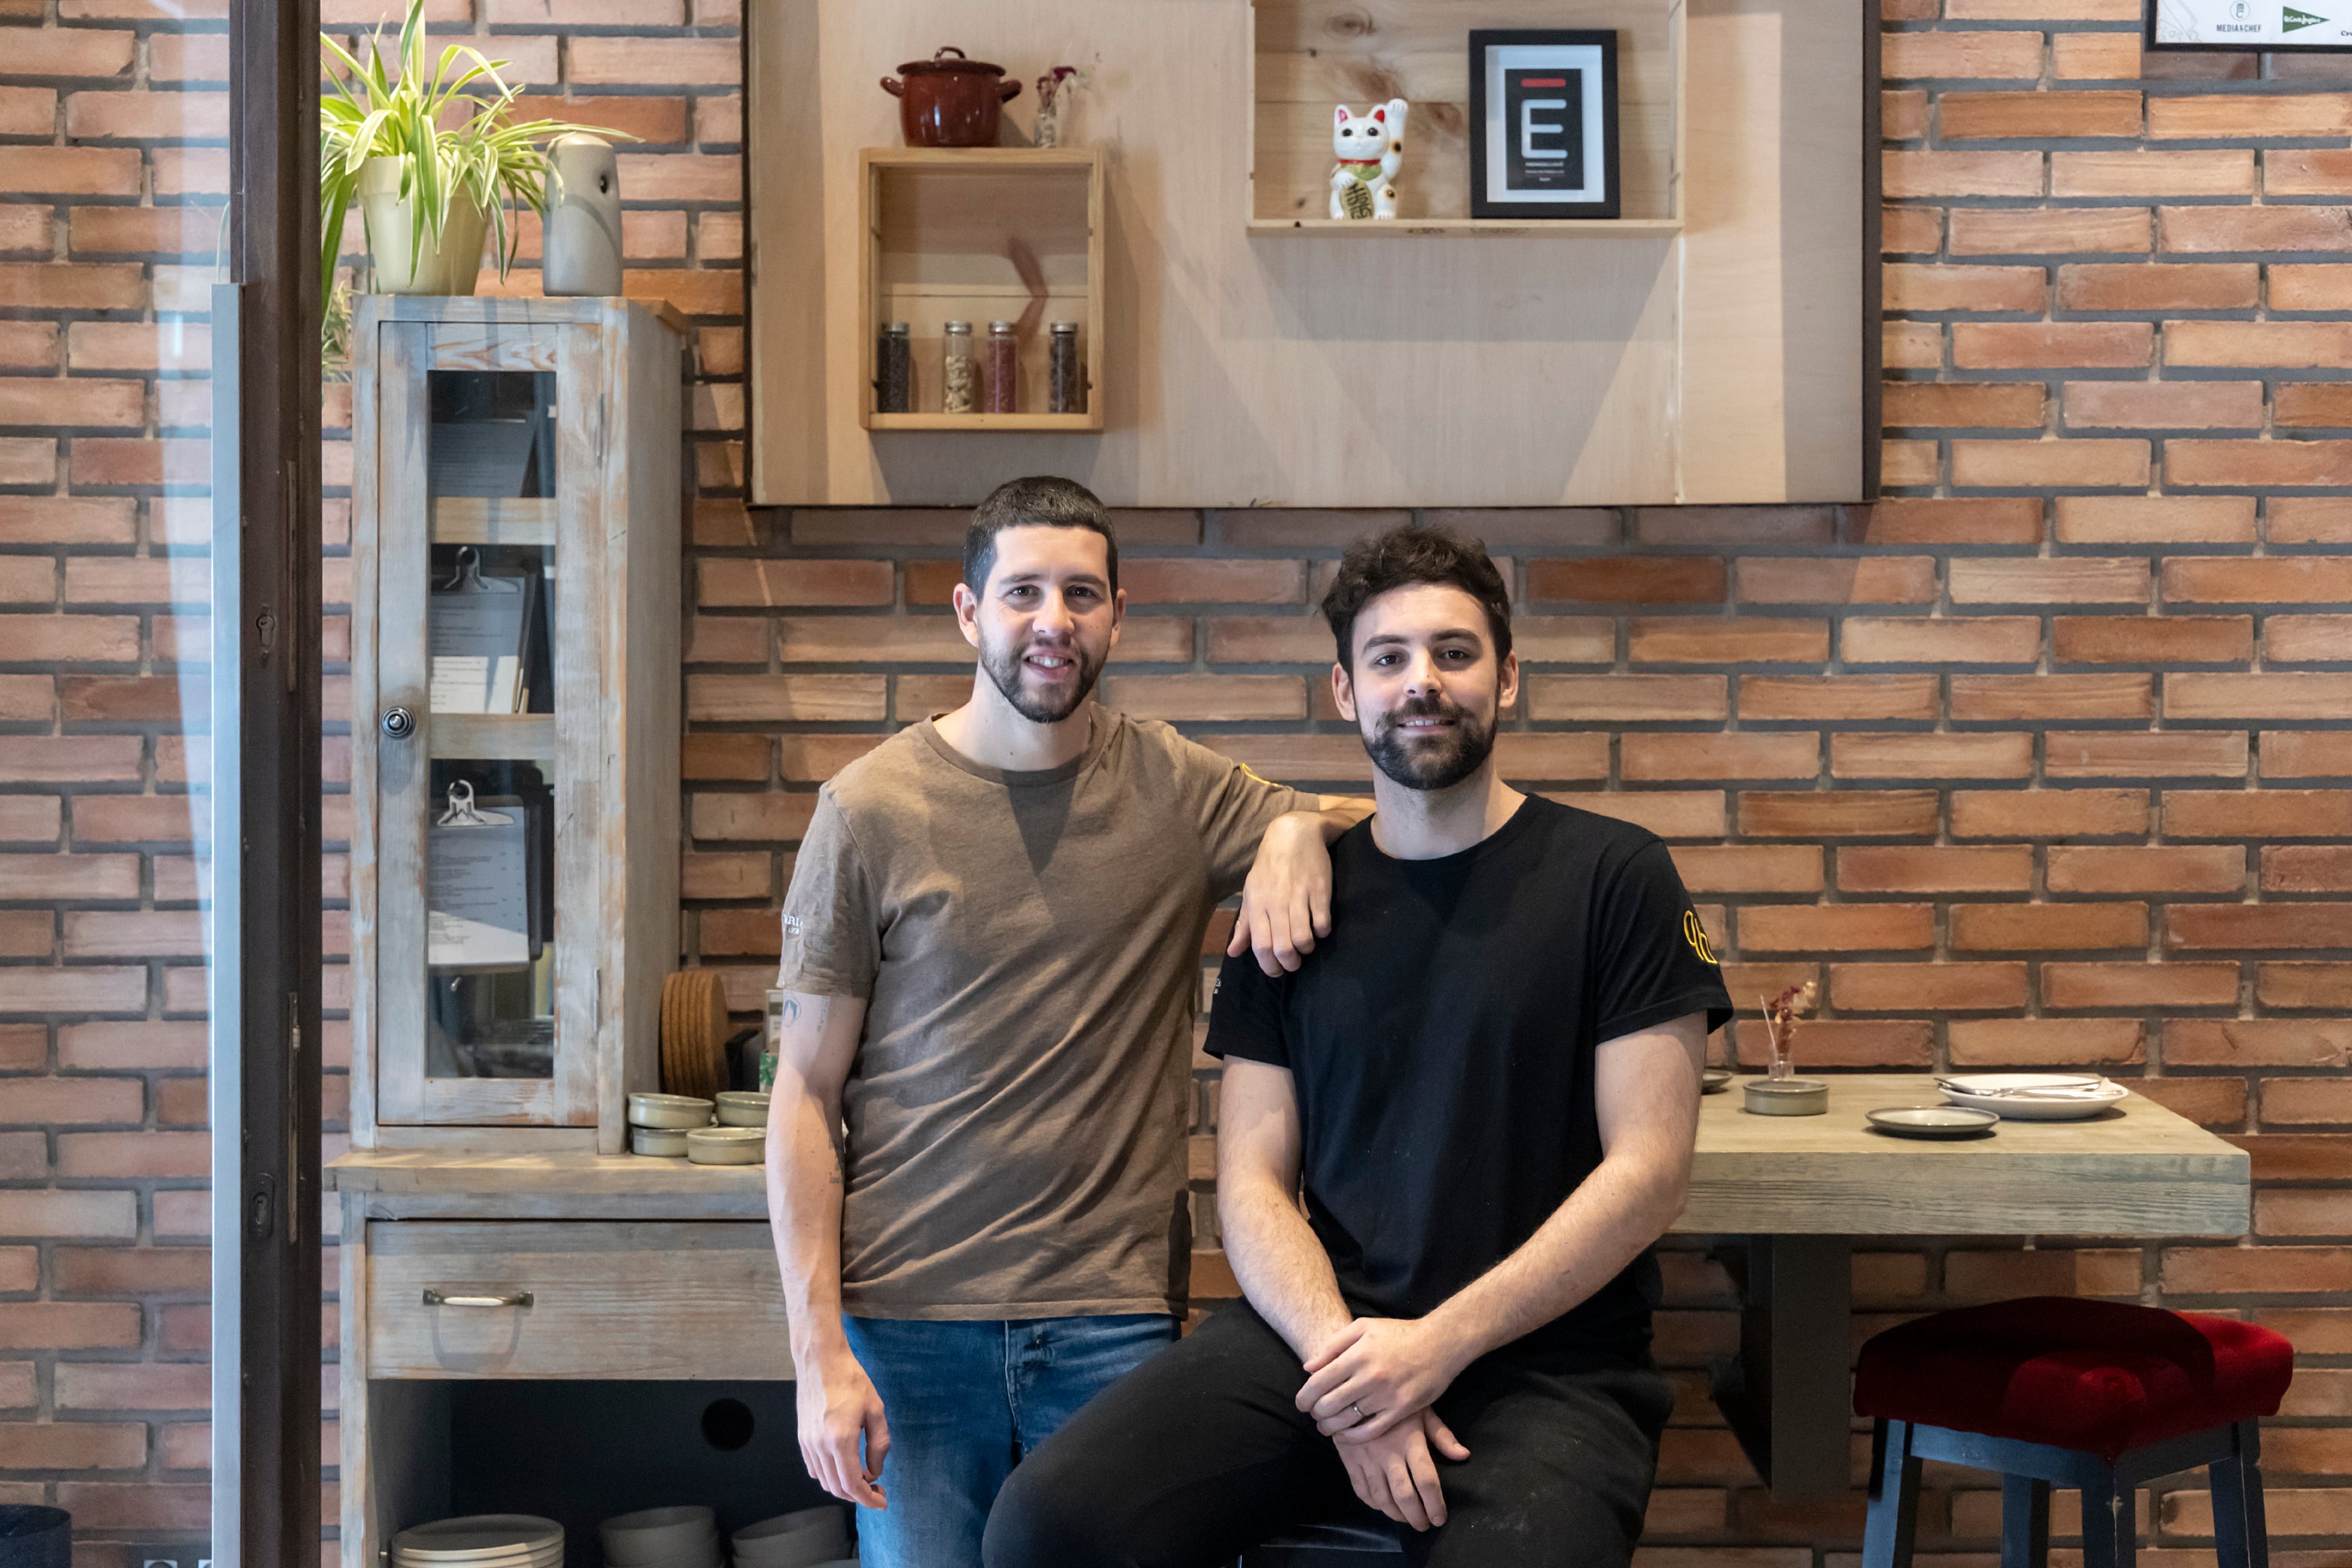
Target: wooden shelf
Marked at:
1471, 227
1088, 421
481, 519
493, 737
981, 234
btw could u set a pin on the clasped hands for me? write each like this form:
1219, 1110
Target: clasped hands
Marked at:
1371, 1388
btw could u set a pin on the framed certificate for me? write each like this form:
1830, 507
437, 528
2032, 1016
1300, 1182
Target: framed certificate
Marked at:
2323, 26
1543, 123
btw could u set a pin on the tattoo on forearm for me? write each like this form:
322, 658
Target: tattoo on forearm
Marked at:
791, 1014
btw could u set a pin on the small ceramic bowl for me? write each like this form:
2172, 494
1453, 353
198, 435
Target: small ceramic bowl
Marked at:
1787, 1097
743, 1107
659, 1535
661, 1143
726, 1145
669, 1110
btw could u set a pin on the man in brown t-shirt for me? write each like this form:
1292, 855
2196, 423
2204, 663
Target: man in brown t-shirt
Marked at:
991, 955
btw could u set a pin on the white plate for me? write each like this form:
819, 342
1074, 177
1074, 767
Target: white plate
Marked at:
2065, 1097
551, 1556
478, 1536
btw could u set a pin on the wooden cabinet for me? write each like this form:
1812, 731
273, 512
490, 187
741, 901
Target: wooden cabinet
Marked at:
514, 687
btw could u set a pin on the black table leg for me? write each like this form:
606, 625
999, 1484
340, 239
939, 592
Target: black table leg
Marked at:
1788, 1395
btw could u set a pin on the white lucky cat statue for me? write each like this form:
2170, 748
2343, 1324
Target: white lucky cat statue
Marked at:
1371, 150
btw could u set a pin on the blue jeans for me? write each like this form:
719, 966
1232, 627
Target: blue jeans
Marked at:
965, 1401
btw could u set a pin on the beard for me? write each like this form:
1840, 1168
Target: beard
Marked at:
1435, 762
1003, 665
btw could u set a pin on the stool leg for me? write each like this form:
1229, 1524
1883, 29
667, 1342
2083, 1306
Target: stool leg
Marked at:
2110, 1527
2025, 1522
1894, 1497
2226, 1479
2249, 1477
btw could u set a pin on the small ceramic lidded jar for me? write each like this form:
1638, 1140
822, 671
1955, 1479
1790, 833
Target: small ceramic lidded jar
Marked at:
960, 378
1003, 368
894, 370
581, 255
1066, 372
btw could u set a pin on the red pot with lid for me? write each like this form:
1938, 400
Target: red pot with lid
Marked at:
949, 102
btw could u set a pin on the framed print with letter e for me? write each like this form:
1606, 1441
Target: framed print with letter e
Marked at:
1543, 123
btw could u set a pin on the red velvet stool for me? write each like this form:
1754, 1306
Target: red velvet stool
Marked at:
2097, 1396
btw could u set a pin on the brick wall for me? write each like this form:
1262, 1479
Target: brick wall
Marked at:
2095, 651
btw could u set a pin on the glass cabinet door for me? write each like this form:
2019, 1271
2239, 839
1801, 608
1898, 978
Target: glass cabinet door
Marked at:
485, 984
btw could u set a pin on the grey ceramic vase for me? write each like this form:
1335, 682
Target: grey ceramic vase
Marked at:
582, 249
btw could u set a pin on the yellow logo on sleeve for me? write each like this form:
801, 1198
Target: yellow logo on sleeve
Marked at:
1695, 934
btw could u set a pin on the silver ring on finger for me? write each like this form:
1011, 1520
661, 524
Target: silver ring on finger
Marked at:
1359, 1409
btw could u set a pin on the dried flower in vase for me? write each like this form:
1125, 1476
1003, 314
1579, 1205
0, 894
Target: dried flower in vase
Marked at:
1780, 1023
1055, 89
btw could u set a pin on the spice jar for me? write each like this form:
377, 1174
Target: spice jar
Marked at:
894, 370
1003, 368
1065, 373
961, 373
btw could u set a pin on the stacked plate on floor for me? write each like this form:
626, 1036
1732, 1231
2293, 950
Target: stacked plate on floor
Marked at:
481, 1541
663, 1538
812, 1538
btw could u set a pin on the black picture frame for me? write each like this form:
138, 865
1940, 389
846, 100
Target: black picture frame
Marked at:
1533, 206
2279, 45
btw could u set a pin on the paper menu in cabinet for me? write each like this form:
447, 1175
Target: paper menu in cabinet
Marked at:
478, 888
476, 635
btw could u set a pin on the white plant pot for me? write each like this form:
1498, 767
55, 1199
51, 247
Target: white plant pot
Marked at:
450, 268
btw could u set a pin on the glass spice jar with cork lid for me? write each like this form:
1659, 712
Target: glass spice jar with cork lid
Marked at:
1065, 370
959, 378
894, 370
1003, 368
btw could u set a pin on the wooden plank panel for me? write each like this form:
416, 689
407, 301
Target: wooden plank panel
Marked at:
609, 1300
489, 737
487, 520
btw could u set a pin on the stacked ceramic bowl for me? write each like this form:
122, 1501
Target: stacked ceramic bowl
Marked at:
481, 1541
663, 1538
658, 1123
812, 1538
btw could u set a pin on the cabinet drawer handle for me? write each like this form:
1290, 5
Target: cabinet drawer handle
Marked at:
504, 1299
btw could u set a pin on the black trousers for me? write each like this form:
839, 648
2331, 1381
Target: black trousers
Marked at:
1198, 1454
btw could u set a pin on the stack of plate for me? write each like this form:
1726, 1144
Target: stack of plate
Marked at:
663, 1538
694, 1033
812, 1538
481, 1541
658, 1123
2036, 1096
727, 1145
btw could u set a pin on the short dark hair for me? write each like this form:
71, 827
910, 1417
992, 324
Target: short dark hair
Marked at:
1416, 552
1040, 500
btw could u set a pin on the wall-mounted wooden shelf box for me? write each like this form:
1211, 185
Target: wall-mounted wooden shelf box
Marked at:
982, 235
1308, 55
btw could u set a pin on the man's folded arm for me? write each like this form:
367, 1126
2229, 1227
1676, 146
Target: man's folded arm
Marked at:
1274, 1253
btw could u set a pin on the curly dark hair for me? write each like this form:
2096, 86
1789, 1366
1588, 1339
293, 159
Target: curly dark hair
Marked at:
1041, 501
1416, 552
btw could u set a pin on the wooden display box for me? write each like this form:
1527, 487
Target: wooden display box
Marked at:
982, 235
1308, 55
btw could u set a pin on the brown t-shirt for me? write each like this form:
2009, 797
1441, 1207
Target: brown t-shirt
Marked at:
1029, 945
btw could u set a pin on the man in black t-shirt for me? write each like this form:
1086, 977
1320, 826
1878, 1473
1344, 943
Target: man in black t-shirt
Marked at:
1485, 1086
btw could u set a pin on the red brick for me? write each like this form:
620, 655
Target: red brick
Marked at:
2305, 753
1982, 639
2277, 695
1932, 756
1970, 116
74, 52
1983, 699
2286, 345
1669, 813
2222, 172
2136, 519
1911, 345
133, 1385
2274, 926
2036, 231
1750, 867
1910, 465
1837, 696
136, 1505
1836, 814
187, 57
2257, 1042
2302, 1101
2052, 462
1631, 580
2271, 1270
633, 61
2306, 868
1843, 1042
72, 1446
2218, 1103
1719, 639
2044, 1042
2152, 639
2094, 57
2057, 580
2066, 345
1902, 117
1961, 56
2196, 462
2307, 405
1981, 405
2275, 580
1930, 286
2308, 519
72, 1101
2325, 985
1923, 869
1549, 527
739, 584
2131, 868
1964, 520
133, 1270
1187, 696
134, 1154
2234, 117
2180, 405
1157, 581
2311, 286
772, 816
2159, 286
1839, 928
1905, 174
1972, 1277
1956, 987
2117, 753
2138, 985
1628, 698
1646, 757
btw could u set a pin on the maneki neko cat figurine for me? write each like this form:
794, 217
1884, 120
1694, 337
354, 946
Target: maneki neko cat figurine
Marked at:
1371, 151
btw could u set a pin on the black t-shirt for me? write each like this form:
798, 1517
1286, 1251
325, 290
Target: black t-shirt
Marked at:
1442, 1043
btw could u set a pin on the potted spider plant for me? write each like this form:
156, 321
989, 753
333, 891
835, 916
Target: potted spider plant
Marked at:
435, 167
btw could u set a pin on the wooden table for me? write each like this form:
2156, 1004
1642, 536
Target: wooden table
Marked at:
1788, 1195
1799, 1189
